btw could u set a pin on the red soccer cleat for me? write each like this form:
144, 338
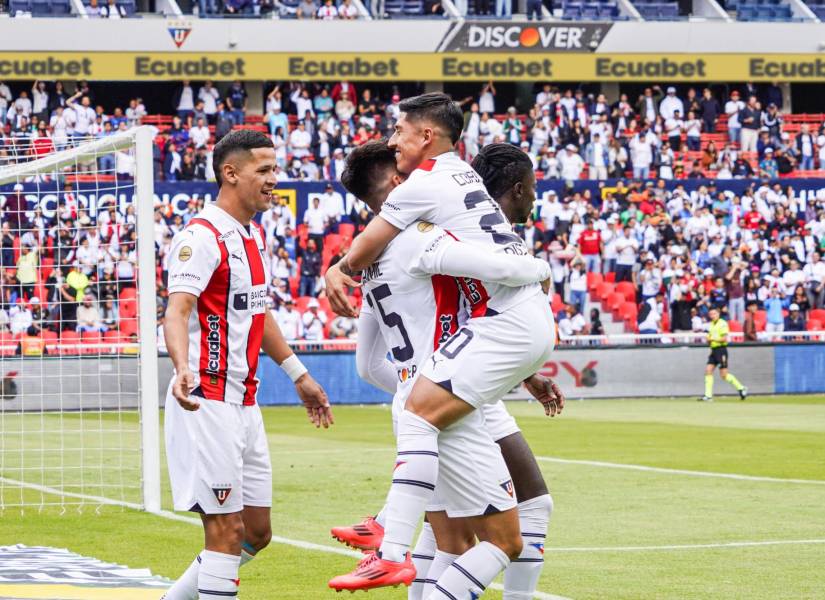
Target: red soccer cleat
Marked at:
373, 572
367, 535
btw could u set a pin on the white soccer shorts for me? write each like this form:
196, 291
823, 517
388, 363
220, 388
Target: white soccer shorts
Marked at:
498, 421
490, 356
218, 457
473, 479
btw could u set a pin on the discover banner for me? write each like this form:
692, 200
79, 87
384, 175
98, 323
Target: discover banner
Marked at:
483, 63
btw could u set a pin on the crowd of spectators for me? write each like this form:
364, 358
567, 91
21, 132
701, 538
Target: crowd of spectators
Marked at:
681, 252
674, 255
326, 10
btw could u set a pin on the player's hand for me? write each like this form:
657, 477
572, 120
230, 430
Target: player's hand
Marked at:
337, 284
315, 400
184, 382
545, 286
546, 391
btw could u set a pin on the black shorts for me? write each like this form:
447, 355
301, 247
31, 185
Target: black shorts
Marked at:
718, 357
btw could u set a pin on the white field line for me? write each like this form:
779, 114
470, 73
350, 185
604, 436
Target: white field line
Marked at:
734, 476
351, 553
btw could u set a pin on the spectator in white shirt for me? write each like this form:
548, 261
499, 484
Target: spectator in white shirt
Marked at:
209, 95
199, 134
314, 321
23, 105
5, 102
487, 100
328, 12
572, 164
40, 100
627, 248
651, 279
61, 126
332, 203
113, 11
641, 152
670, 104
300, 141
732, 108
84, 115
185, 101
578, 286
347, 10
316, 220
650, 315
289, 321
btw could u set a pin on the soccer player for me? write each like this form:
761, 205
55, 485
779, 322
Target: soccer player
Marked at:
507, 338
508, 173
216, 324
718, 357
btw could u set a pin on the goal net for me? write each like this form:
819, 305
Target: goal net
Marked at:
78, 350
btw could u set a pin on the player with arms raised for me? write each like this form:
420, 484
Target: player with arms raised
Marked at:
508, 337
216, 324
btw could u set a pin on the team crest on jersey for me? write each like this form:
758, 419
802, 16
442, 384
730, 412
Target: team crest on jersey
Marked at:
507, 486
538, 546
424, 227
222, 493
185, 254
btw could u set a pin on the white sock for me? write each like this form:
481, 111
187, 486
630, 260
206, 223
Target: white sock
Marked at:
440, 563
413, 483
471, 573
422, 557
381, 517
522, 576
186, 587
218, 576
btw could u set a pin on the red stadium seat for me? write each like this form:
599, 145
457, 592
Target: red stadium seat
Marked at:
301, 303
346, 230
51, 341
332, 242
735, 326
593, 281
127, 306
603, 291
614, 300
611, 277
69, 343
627, 289
760, 318
817, 314
128, 326
8, 345
91, 341
557, 303
813, 325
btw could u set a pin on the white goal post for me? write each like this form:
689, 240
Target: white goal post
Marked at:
79, 417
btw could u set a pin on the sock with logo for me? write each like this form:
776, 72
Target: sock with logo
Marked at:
471, 573
731, 379
709, 386
413, 484
422, 557
218, 576
522, 576
186, 586
441, 562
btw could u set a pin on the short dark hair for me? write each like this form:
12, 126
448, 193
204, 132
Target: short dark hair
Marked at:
364, 164
501, 166
239, 140
438, 108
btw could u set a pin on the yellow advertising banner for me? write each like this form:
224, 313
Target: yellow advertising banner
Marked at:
134, 66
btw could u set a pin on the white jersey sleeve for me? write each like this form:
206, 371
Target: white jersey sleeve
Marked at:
405, 205
371, 353
441, 254
193, 258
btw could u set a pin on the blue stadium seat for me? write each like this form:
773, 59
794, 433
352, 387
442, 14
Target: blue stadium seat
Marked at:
669, 11
394, 7
571, 13
413, 7
16, 6
129, 6
61, 7
41, 8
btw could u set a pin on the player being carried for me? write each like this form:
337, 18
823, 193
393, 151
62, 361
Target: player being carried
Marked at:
507, 338
718, 357
414, 282
216, 324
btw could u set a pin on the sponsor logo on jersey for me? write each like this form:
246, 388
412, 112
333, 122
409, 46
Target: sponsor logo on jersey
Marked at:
226, 236
445, 322
213, 338
507, 486
221, 492
473, 290
186, 277
185, 254
254, 300
466, 178
407, 373
424, 227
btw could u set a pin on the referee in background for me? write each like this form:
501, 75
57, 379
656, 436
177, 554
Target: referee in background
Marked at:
718, 357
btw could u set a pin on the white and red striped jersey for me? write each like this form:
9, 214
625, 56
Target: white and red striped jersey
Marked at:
222, 263
446, 191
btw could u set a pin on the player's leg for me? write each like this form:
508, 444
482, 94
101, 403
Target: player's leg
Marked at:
733, 381
453, 537
535, 506
708, 397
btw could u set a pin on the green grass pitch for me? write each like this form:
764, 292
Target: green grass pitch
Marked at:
617, 533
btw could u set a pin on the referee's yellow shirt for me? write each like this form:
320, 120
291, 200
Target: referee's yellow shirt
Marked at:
717, 334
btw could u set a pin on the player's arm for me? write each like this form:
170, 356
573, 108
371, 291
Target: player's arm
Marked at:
441, 254
371, 354
309, 391
176, 334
